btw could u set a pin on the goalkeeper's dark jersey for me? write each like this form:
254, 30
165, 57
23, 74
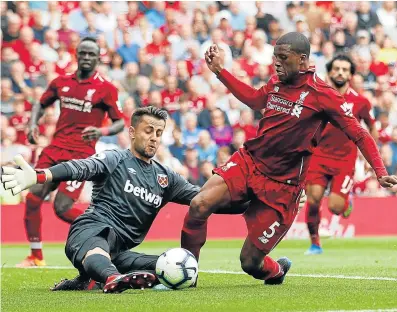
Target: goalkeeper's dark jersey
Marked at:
128, 192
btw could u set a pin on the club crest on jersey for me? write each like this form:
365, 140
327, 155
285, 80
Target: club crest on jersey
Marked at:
348, 109
276, 88
162, 179
297, 110
228, 166
65, 89
90, 93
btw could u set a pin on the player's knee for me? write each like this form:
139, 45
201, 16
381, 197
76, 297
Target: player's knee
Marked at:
61, 207
313, 199
96, 251
335, 208
199, 207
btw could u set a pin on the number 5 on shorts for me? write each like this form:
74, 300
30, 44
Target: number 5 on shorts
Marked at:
265, 238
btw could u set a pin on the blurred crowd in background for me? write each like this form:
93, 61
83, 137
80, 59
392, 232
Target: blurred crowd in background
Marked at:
153, 53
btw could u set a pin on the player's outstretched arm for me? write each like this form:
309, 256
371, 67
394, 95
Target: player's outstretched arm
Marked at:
253, 98
92, 168
37, 113
341, 116
93, 133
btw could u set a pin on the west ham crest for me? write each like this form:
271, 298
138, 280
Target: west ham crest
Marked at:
162, 179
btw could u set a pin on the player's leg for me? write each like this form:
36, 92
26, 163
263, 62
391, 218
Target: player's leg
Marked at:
32, 216
315, 193
225, 187
266, 227
68, 193
90, 245
339, 201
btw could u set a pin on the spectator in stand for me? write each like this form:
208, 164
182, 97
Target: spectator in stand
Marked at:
184, 108
237, 44
263, 19
388, 52
238, 140
206, 168
194, 62
247, 62
192, 164
206, 147
145, 68
222, 156
64, 31
275, 31
178, 148
36, 68
142, 32
141, 95
170, 27
247, 124
393, 145
262, 51
129, 50
22, 45
20, 83
10, 147
129, 82
156, 15
106, 19
19, 120
158, 77
7, 98
288, 20
51, 45
117, 72
384, 128
90, 30
22, 9
190, 130
377, 67
155, 99
200, 30
170, 95
367, 19
387, 17
387, 157
8, 56
38, 26
363, 66
155, 49
220, 132
339, 41
388, 102
350, 21
197, 101
133, 15
357, 83
237, 18
78, 17
129, 107
12, 32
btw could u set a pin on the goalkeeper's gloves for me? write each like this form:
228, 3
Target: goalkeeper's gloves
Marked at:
21, 179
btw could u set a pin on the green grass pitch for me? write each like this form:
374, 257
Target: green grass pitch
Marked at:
352, 274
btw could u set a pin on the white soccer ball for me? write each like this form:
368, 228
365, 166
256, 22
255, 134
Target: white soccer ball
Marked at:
177, 268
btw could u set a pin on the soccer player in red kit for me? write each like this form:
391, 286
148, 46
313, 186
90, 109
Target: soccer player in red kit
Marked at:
270, 170
334, 158
85, 98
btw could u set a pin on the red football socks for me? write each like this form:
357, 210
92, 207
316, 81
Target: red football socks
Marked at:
194, 234
271, 268
313, 217
33, 217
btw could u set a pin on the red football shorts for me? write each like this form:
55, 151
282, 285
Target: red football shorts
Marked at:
323, 171
273, 205
51, 156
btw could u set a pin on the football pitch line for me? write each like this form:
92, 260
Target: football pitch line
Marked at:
382, 310
375, 278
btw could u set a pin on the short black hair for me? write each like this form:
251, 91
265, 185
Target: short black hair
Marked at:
158, 113
298, 42
90, 39
342, 57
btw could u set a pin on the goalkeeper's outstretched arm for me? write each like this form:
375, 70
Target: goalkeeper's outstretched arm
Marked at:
91, 168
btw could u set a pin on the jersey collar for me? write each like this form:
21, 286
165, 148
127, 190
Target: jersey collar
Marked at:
90, 80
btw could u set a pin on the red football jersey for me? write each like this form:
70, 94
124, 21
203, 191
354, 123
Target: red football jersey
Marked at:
83, 104
293, 119
171, 100
198, 104
334, 143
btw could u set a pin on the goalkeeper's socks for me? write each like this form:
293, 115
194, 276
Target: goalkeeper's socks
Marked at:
194, 234
313, 217
99, 267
